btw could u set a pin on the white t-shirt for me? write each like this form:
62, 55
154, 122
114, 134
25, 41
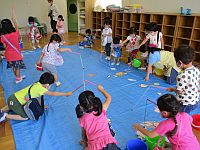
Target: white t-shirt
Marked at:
134, 40
50, 53
107, 38
188, 84
153, 39
54, 10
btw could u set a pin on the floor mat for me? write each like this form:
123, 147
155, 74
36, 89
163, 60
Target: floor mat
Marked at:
58, 128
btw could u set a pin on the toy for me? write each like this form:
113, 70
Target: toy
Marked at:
156, 84
143, 85
136, 63
90, 75
133, 80
120, 74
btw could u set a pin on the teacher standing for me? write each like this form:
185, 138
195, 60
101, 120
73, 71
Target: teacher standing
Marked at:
53, 14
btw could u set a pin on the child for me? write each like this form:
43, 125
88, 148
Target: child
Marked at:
50, 56
154, 37
96, 134
10, 39
133, 44
187, 84
17, 100
107, 38
177, 127
116, 48
88, 40
60, 27
53, 13
34, 32
163, 60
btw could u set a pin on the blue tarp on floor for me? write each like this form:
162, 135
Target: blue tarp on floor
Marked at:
58, 128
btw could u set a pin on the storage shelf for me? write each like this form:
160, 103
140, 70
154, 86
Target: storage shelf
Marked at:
176, 29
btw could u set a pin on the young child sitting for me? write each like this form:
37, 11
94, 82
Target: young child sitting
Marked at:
17, 100
88, 40
133, 44
154, 37
187, 82
177, 127
116, 48
163, 60
91, 113
34, 33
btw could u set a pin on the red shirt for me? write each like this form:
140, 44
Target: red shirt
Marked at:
10, 53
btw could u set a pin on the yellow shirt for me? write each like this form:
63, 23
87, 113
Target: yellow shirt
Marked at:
37, 90
167, 62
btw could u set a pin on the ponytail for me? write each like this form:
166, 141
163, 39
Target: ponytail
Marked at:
98, 106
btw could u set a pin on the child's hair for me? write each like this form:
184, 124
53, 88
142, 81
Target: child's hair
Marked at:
7, 27
132, 30
145, 47
54, 37
31, 20
185, 54
152, 26
116, 40
47, 78
107, 22
169, 103
88, 31
88, 102
61, 17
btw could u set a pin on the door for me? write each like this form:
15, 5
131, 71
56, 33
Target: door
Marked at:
72, 15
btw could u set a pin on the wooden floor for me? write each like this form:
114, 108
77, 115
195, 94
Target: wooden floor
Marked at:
6, 137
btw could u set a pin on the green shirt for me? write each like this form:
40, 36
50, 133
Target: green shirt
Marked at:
37, 90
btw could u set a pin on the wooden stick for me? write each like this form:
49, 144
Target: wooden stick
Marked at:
159, 87
77, 88
152, 102
91, 82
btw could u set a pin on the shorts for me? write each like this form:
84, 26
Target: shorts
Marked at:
111, 146
189, 108
19, 64
16, 106
49, 68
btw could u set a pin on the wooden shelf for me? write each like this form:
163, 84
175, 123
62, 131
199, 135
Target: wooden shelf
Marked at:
176, 29
186, 21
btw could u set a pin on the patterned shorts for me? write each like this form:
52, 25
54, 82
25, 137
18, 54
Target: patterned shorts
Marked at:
19, 64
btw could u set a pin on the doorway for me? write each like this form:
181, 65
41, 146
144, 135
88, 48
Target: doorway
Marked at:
72, 15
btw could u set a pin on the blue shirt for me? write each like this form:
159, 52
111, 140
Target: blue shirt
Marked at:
155, 57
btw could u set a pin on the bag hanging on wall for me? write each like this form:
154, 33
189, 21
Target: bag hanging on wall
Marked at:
33, 108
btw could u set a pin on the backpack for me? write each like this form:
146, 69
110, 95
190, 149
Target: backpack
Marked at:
33, 108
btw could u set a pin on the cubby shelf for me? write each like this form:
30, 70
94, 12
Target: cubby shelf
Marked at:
177, 29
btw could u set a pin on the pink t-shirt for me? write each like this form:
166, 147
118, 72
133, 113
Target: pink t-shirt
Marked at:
10, 53
184, 139
97, 130
60, 27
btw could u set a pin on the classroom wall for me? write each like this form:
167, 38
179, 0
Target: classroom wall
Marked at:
25, 8
169, 6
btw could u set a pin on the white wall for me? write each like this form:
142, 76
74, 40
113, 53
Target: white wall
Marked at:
169, 6
25, 8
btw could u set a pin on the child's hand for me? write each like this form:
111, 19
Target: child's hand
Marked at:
100, 88
170, 89
69, 93
68, 50
146, 78
136, 126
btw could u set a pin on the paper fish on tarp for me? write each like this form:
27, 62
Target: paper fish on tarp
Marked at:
119, 74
